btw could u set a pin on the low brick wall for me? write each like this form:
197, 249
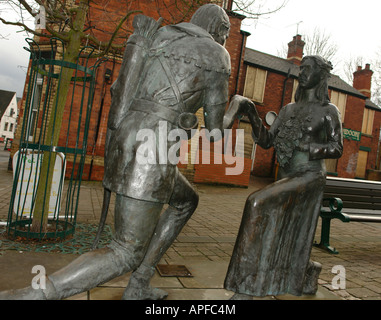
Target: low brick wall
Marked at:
216, 173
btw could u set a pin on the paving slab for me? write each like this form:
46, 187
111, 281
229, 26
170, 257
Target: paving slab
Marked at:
321, 294
208, 238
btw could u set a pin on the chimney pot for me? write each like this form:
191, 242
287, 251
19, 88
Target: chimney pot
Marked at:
295, 49
362, 80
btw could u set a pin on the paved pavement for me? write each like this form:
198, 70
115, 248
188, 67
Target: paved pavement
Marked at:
205, 246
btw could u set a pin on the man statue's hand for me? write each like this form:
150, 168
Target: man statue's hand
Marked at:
244, 106
239, 106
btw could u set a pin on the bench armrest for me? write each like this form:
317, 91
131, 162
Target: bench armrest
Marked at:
335, 205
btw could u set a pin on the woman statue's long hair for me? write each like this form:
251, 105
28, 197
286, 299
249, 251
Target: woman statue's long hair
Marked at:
321, 91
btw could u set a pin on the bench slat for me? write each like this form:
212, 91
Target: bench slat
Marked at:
353, 183
364, 192
354, 198
364, 218
363, 185
360, 201
361, 211
360, 205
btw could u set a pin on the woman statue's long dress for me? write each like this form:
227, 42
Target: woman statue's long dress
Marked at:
272, 251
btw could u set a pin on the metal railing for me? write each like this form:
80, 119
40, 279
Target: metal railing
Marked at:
67, 157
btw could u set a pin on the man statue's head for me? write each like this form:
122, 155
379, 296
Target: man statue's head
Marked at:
214, 20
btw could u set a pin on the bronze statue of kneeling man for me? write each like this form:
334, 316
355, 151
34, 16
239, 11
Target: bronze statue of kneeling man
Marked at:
167, 74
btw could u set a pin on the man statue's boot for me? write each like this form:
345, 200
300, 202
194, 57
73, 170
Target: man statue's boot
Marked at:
139, 287
29, 293
167, 229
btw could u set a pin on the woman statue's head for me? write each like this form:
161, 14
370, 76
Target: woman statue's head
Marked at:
313, 75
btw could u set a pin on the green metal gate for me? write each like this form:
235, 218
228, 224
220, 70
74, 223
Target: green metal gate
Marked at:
68, 156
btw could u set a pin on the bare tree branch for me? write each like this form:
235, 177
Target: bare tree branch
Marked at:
320, 43
253, 9
122, 21
24, 26
350, 66
376, 79
28, 8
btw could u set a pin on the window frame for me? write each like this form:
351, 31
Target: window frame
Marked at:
258, 77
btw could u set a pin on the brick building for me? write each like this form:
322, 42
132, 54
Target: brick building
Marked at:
101, 18
271, 83
268, 80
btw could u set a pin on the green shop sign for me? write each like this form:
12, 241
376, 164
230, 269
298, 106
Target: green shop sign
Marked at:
351, 134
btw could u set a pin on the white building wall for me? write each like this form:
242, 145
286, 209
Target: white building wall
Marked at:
8, 121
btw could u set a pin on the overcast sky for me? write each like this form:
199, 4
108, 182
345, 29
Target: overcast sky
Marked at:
354, 26
13, 60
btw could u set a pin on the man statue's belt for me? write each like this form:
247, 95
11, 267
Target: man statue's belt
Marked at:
184, 120
156, 109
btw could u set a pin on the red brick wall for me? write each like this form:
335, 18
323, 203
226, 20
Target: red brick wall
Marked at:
346, 166
106, 14
354, 113
234, 45
106, 20
295, 50
372, 161
98, 123
96, 148
362, 80
216, 173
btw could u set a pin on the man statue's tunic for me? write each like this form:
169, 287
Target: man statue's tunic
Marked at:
185, 70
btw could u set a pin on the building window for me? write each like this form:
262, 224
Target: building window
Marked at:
339, 100
248, 139
362, 161
11, 127
367, 121
255, 83
35, 103
331, 166
6, 126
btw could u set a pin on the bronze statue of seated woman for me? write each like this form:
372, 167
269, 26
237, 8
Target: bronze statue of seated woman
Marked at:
272, 252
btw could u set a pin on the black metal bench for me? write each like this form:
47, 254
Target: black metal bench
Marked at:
348, 200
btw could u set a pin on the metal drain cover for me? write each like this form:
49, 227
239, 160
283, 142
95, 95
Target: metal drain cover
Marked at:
173, 270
